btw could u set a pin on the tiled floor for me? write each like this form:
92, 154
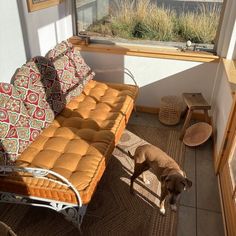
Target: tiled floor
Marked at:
200, 210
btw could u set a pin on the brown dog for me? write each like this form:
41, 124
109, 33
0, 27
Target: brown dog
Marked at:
172, 178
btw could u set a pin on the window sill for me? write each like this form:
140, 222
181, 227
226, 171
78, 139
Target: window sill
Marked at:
230, 69
148, 51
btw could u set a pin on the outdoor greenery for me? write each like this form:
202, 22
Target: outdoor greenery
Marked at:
142, 19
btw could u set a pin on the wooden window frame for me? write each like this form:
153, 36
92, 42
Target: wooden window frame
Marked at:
189, 55
41, 5
147, 51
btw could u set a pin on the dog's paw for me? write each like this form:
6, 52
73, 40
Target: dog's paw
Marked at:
173, 207
146, 181
163, 211
132, 192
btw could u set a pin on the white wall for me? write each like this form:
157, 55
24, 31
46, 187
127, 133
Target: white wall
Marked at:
24, 35
44, 28
161, 77
226, 46
155, 77
12, 51
222, 102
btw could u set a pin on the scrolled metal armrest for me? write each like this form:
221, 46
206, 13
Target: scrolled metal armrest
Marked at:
41, 173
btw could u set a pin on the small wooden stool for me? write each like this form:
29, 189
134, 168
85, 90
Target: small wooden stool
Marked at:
194, 101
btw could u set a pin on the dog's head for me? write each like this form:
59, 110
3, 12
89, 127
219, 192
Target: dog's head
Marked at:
175, 183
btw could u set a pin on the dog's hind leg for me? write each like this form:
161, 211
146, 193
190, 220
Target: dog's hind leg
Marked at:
139, 168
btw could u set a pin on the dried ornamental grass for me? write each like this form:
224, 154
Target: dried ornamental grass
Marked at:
200, 27
141, 19
160, 23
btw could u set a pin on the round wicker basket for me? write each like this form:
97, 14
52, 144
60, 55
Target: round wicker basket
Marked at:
197, 134
170, 110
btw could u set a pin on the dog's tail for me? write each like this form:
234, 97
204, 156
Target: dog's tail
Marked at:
130, 155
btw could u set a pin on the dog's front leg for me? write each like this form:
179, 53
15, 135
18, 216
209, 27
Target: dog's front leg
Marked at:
139, 168
162, 200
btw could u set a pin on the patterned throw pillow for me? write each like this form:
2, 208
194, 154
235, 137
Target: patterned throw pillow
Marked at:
34, 82
17, 129
73, 73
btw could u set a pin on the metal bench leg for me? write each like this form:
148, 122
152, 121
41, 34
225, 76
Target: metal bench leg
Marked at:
72, 213
75, 215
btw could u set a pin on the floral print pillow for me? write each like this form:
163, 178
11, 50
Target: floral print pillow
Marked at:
17, 129
34, 82
72, 71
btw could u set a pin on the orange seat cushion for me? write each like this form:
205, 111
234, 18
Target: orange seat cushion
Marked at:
107, 106
77, 145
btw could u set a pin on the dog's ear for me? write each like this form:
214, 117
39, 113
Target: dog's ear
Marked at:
163, 178
188, 183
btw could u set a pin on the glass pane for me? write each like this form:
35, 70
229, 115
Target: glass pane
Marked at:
149, 21
232, 163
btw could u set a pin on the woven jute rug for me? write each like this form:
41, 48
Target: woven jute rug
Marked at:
113, 210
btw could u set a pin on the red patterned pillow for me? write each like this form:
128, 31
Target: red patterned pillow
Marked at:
17, 129
73, 73
34, 81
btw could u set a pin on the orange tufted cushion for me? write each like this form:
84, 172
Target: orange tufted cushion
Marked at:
107, 106
73, 150
77, 144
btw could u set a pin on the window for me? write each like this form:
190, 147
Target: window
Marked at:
151, 21
232, 168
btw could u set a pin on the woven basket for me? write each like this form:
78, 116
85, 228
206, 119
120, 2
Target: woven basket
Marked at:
170, 110
197, 134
